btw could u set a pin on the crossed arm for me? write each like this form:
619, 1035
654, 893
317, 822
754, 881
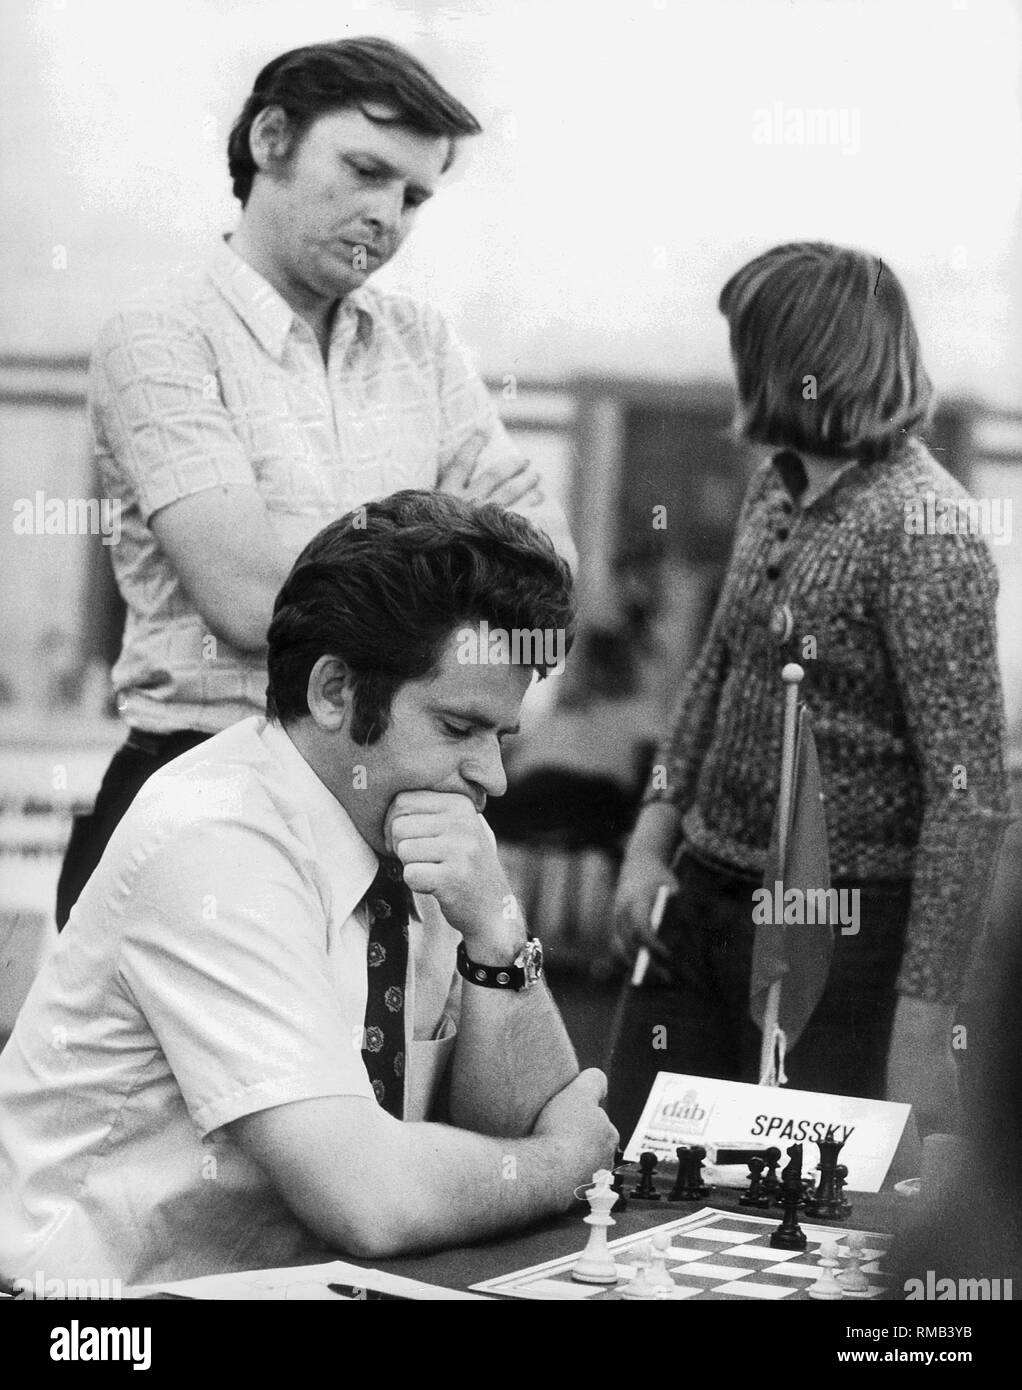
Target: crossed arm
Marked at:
526, 1127
155, 415
223, 547
526, 1130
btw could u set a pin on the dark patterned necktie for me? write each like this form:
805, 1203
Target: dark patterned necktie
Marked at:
383, 1047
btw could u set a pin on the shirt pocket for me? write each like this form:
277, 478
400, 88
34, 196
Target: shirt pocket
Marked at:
429, 1060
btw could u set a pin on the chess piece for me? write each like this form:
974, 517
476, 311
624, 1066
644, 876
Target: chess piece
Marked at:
699, 1188
805, 1187
789, 1234
827, 1286
619, 1183
596, 1264
682, 1181
826, 1200
658, 1275
840, 1178
852, 1280
645, 1191
792, 1170
689, 1185
755, 1197
640, 1285
771, 1183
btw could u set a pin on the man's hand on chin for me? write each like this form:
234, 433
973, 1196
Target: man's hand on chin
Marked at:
448, 851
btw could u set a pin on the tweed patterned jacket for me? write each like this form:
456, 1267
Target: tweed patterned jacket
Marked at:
896, 633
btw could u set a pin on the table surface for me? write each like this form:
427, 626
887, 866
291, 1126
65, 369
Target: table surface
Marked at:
566, 1235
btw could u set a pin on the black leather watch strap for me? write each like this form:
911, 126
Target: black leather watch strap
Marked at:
492, 976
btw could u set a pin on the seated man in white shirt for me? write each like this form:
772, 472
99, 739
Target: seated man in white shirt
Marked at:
204, 1076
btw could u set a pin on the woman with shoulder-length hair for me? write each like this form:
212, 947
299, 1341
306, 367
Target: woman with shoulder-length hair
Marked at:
836, 565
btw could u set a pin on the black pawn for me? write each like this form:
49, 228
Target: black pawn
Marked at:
789, 1234
840, 1178
754, 1197
645, 1191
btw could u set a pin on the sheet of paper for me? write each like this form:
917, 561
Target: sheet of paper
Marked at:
300, 1282
700, 1110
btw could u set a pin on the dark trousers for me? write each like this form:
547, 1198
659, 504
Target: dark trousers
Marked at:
698, 1022
133, 763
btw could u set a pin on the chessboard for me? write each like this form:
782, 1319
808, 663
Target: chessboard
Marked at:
712, 1255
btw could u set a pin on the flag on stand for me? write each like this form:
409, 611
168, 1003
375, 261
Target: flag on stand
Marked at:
792, 945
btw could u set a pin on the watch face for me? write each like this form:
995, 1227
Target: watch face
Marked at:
532, 961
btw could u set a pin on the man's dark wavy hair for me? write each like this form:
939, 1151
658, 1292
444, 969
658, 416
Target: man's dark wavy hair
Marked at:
308, 82
385, 586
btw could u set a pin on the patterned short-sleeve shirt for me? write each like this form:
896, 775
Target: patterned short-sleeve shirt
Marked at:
213, 381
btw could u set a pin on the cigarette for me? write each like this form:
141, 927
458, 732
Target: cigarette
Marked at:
655, 918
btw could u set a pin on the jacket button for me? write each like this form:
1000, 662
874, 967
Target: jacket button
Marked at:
782, 622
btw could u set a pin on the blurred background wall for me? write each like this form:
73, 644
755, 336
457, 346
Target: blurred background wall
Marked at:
635, 153
626, 166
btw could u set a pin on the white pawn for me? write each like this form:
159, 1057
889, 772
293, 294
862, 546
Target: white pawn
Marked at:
596, 1264
827, 1285
853, 1281
658, 1275
641, 1286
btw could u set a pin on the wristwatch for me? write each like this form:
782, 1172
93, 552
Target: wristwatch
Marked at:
523, 973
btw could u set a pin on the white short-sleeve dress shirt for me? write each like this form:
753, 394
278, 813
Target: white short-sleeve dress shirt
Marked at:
215, 965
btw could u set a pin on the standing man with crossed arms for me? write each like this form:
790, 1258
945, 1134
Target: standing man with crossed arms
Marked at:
238, 410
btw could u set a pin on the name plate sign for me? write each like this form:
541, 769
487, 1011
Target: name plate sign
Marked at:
729, 1114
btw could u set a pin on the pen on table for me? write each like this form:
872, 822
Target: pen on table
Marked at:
655, 918
364, 1295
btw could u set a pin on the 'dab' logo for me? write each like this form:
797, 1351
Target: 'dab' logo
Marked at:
687, 1114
